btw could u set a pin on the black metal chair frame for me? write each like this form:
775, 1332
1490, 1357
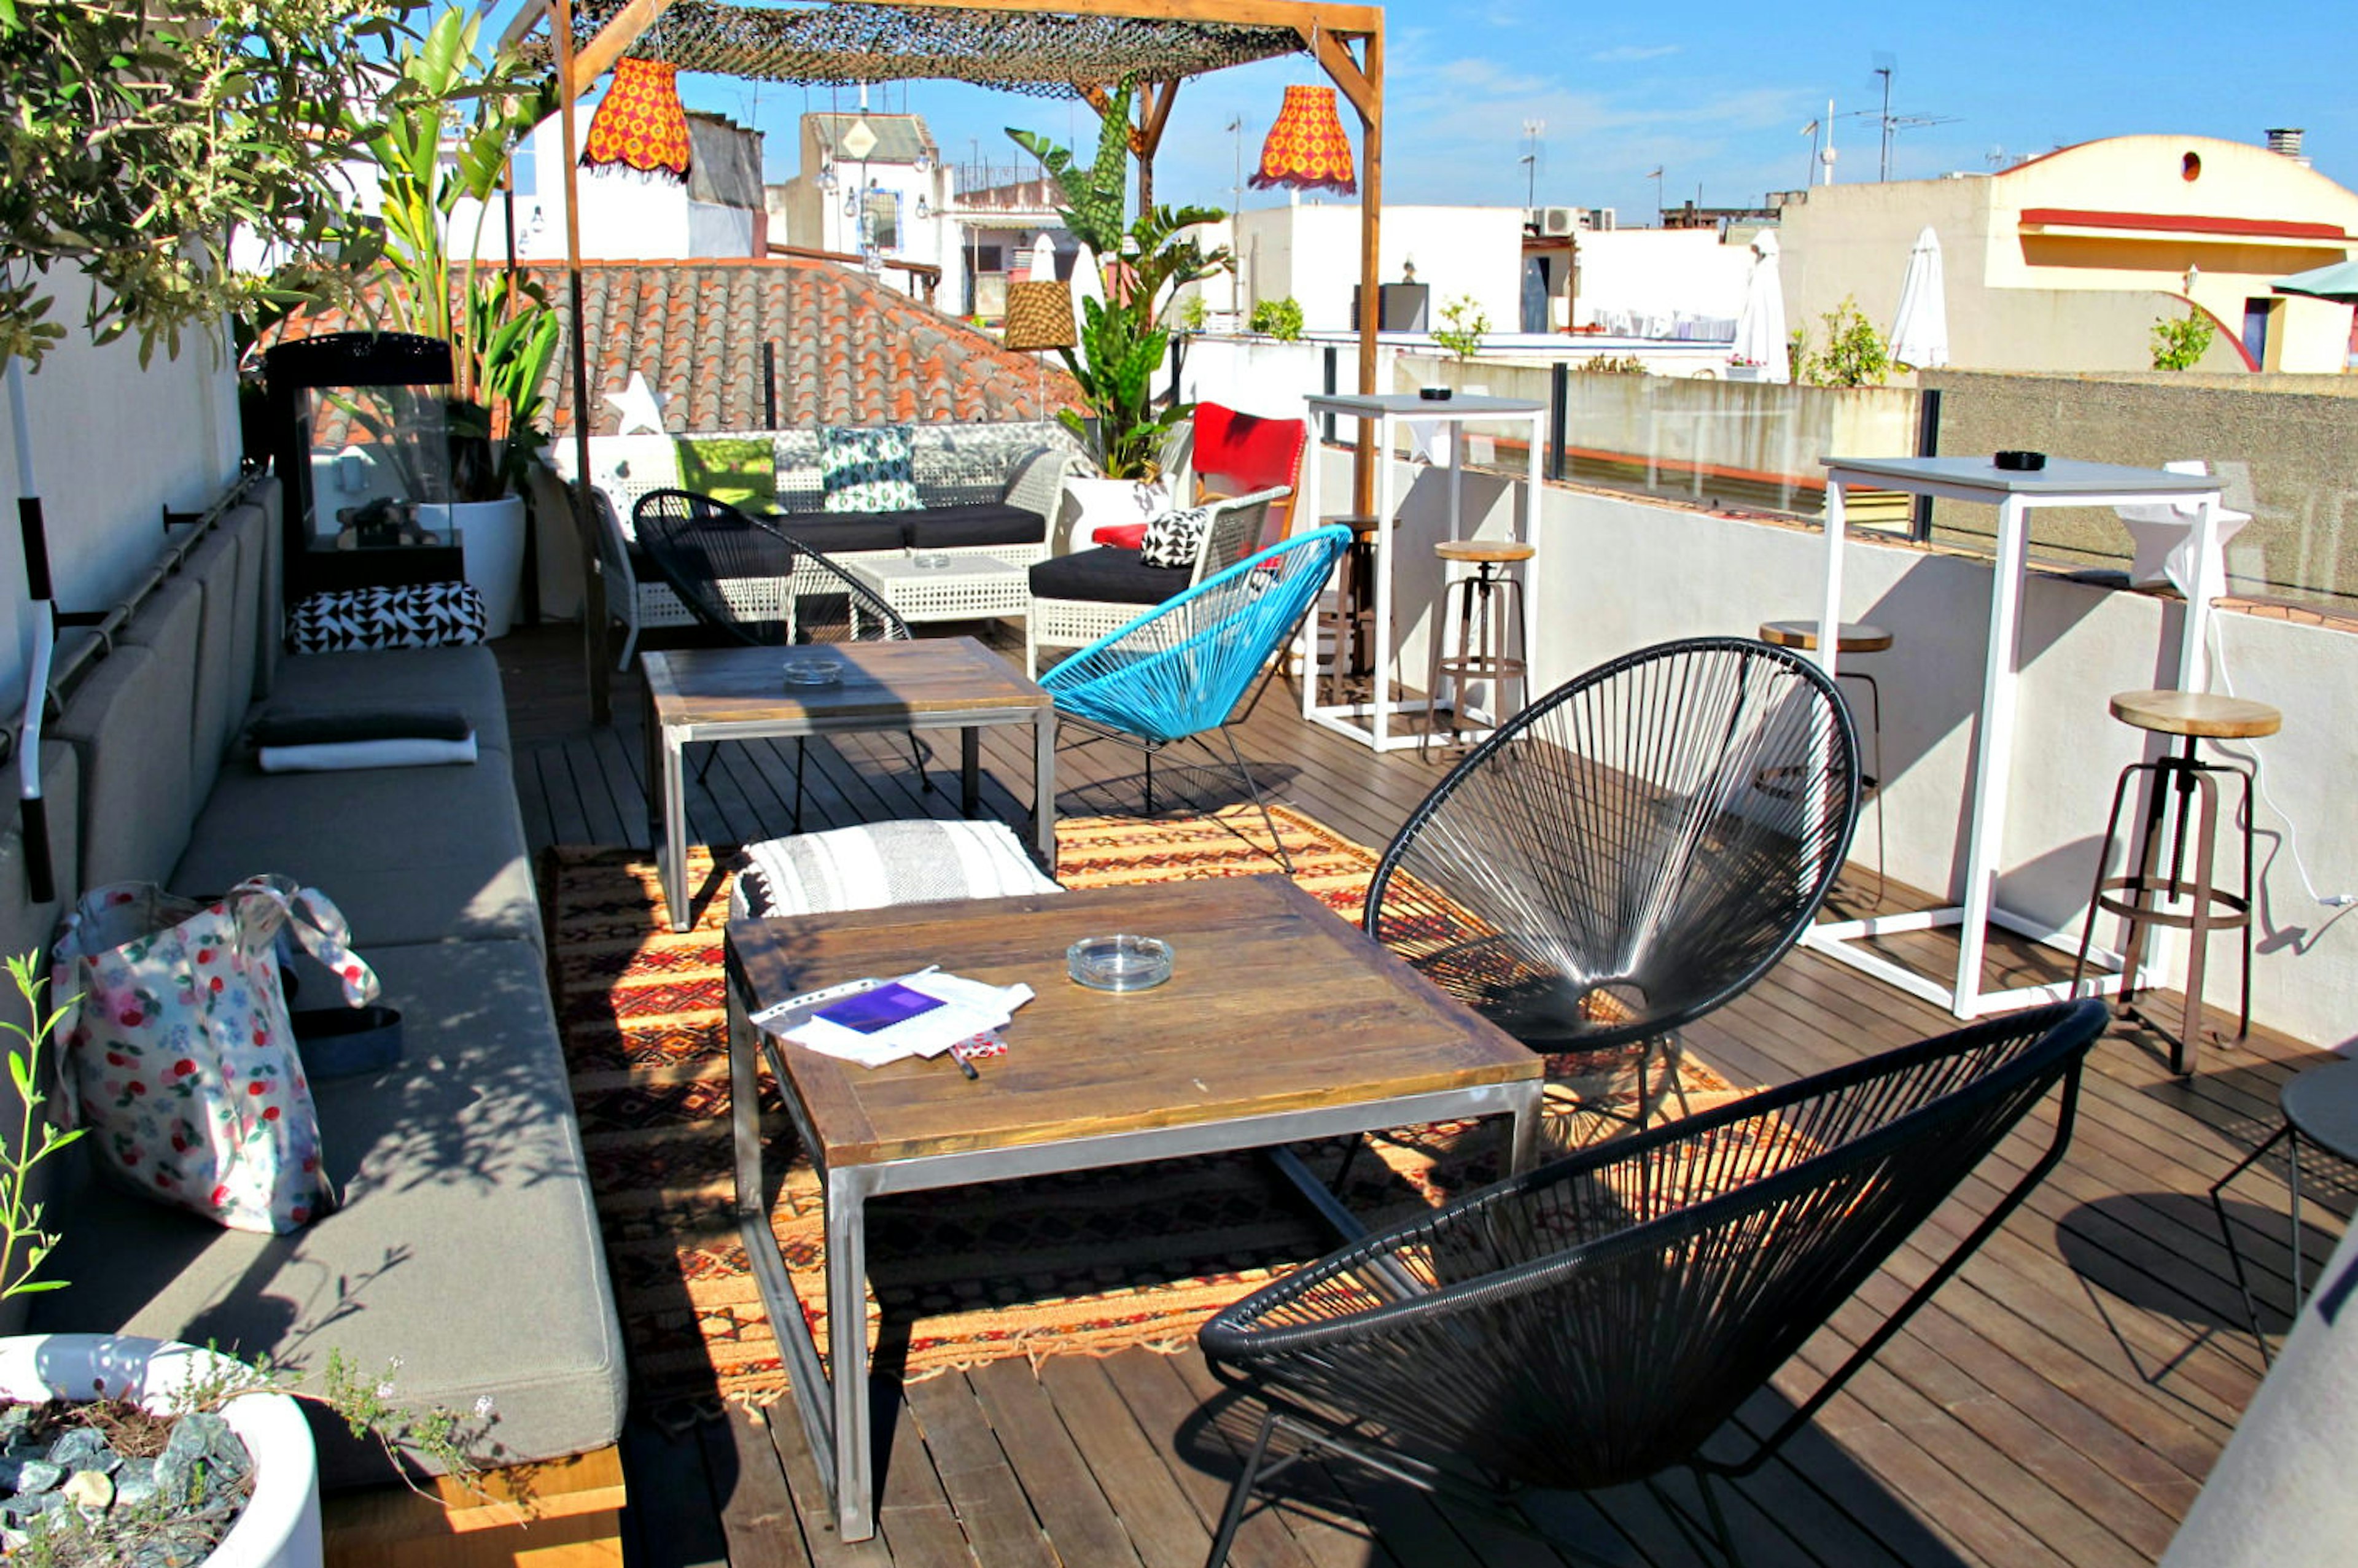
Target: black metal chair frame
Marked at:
1779, 781
1342, 1376
712, 607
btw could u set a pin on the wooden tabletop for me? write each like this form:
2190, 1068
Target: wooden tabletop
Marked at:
2208, 713
880, 680
1274, 1005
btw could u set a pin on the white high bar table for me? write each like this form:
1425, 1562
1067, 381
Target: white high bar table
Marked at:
2064, 482
1369, 723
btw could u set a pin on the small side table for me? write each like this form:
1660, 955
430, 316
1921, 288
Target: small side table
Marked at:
2321, 1106
971, 588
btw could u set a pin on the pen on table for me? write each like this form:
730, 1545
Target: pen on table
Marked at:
966, 1067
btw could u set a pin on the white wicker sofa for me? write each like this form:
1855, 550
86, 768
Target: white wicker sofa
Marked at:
984, 488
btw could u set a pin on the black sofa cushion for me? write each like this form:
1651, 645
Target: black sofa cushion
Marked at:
959, 527
845, 532
1108, 574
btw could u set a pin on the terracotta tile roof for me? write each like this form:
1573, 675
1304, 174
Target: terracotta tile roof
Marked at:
849, 350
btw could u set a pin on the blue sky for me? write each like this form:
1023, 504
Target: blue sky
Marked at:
1715, 93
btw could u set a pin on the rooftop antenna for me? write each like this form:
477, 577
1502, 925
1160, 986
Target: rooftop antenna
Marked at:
1532, 131
1886, 64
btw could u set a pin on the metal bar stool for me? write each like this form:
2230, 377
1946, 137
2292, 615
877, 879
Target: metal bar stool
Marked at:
1851, 637
1487, 601
2321, 1106
2178, 782
1354, 615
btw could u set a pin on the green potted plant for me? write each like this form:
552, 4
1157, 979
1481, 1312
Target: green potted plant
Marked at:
1124, 340
448, 123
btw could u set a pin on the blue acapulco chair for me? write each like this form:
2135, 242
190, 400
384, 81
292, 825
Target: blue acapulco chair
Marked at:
1188, 665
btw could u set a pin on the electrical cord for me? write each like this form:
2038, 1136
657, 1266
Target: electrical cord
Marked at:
2259, 780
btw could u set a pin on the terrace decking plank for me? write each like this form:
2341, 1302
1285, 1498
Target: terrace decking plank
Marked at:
1154, 1528
988, 1500
2061, 1399
914, 1517
757, 1511
676, 1526
1314, 1527
826, 1548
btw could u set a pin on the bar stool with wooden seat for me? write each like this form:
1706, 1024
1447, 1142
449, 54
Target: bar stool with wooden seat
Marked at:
1486, 603
2139, 896
1851, 637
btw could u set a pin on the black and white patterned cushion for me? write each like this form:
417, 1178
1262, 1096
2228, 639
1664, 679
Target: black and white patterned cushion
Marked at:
1175, 538
421, 615
881, 865
867, 471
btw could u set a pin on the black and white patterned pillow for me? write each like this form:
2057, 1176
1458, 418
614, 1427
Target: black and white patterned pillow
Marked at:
868, 471
421, 615
1175, 538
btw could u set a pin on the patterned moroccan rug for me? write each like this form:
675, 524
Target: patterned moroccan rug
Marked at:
1059, 1264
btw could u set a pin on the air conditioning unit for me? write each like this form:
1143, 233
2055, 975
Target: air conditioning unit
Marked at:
1602, 220
1557, 221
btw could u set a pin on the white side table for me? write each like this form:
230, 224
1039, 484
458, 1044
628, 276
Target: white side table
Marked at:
1370, 722
971, 588
2064, 482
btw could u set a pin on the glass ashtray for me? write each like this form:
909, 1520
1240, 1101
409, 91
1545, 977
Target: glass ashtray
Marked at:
931, 561
1119, 963
812, 671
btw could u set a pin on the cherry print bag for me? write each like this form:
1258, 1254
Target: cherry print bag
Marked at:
180, 1057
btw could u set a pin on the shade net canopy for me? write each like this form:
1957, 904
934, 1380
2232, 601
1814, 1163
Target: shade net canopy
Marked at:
1041, 53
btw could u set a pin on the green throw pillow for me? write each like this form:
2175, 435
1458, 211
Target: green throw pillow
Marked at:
739, 471
868, 471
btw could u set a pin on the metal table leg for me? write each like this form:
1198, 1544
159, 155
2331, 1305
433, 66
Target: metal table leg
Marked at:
969, 770
1044, 786
671, 789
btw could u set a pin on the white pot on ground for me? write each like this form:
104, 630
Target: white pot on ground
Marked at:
280, 1525
492, 535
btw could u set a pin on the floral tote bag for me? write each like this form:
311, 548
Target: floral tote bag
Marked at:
180, 1057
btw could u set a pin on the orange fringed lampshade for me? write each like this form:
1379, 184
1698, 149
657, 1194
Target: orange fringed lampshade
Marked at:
1306, 148
640, 125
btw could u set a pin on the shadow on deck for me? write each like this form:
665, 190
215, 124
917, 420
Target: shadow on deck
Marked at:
2057, 1403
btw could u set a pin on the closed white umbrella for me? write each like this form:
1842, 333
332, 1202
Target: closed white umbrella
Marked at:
1760, 325
1919, 333
1044, 257
1088, 283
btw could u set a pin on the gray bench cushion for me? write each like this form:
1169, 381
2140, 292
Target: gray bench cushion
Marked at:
182, 614
465, 678
408, 854
468, 1245
128, 723
229, 640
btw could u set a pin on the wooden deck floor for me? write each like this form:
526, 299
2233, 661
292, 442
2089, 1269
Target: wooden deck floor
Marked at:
2059, 1403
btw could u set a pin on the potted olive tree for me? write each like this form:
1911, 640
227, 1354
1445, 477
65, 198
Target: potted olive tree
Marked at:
448, 123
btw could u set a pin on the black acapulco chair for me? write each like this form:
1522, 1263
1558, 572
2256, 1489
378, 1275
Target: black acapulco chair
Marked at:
1597, 1321
747, 578
1632, 851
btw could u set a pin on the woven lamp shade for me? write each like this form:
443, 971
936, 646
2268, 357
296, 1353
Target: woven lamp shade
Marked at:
1306, 148
1040, 315
640, 125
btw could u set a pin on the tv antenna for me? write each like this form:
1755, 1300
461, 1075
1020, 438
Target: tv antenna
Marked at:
1886, 65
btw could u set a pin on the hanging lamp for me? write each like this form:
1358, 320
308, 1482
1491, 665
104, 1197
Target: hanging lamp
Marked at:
1306, 148
640, 125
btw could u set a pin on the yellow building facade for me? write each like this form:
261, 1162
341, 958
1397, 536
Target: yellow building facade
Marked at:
2065, 263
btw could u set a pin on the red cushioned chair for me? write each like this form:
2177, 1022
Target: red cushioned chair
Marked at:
1236, 454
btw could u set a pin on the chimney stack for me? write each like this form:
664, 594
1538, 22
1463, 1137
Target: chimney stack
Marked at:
2288, 143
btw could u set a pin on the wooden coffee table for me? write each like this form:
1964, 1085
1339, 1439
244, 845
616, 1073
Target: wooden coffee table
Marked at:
739, 694
1280, 1023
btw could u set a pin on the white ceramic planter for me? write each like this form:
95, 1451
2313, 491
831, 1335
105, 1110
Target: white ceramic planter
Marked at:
280, 1525
491, 533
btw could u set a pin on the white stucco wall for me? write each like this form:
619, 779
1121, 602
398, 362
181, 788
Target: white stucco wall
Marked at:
1660, 271
112, 446
1311, 253
1614, 575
